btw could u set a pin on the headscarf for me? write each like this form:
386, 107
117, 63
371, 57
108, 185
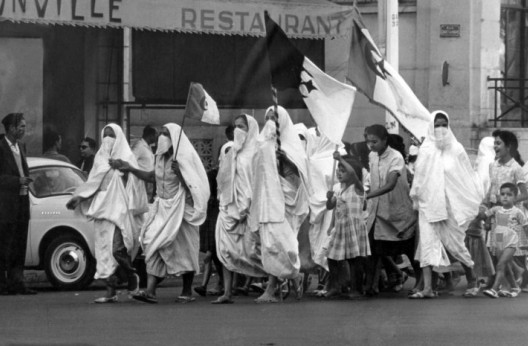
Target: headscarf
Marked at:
101, 167
193, 172
321, 167
268, 198
443, 173
485, 157
291, 144
238, 163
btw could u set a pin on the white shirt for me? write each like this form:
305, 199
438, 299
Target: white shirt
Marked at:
14, 147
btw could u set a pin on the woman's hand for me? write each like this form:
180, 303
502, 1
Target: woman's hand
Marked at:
329, 194
337, 155
73, 202
119, 164
175, 166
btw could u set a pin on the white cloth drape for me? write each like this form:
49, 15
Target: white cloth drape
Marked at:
447, 192
237, 247
109, 200
170, 236
279, 206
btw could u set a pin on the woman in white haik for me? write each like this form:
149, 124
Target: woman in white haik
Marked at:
280, 200
447, 193
170, 236
237, 246
117, 203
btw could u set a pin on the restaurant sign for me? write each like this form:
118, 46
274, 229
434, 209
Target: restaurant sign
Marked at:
233, 17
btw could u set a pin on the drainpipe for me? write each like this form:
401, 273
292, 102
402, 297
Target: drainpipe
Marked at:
127, 77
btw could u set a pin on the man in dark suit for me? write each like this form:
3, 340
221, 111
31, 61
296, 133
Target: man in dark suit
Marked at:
14, 206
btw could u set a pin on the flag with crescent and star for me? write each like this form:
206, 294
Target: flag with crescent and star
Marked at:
201, 106
328, 100
374, 77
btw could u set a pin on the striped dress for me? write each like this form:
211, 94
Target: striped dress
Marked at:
349, 238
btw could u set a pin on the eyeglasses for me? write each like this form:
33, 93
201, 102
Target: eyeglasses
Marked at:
82, 147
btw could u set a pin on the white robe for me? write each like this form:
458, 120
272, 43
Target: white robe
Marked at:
237, 247
279, 207
170, 236
113, 205
447, 193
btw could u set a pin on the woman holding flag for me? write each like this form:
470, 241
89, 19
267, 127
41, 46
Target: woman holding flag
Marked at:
280, 199
170, 235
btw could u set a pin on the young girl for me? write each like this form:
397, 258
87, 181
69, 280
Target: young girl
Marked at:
349, 238
505, 239
507, 168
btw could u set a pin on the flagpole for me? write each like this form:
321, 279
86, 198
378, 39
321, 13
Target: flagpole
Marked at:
183, 121
334, 169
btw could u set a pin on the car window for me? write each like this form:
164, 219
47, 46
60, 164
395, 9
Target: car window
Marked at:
54, 180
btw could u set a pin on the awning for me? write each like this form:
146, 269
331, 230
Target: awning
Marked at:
298, 18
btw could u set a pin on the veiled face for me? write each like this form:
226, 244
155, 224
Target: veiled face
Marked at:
165, 132
440, 121
271, 115
109, 132
241, 124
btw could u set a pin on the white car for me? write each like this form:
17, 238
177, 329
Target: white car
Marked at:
60, 241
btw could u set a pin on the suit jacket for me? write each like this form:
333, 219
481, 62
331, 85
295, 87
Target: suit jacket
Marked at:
9, 181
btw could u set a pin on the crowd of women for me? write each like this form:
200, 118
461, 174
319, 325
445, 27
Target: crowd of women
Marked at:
291, 203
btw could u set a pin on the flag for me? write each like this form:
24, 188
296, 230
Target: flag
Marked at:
328, 100
201, 106
374, 77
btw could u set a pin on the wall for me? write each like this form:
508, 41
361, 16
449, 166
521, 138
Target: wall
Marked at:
21, 87
471, 58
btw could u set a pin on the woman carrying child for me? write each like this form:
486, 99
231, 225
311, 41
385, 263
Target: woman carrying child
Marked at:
349, 236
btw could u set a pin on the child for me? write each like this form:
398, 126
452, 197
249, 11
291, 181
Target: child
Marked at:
504, 239
349, 237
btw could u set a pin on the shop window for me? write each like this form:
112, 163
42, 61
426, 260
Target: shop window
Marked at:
233, 69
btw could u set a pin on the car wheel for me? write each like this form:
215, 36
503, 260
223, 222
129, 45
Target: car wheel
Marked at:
68, 263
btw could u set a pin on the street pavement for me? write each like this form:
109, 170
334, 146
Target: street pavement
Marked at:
70, 318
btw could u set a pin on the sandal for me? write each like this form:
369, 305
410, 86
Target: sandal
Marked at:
471, 292
105, 300
185, 299
144, 297
491, 293
504, 294
515, 292
420, 295
215, 292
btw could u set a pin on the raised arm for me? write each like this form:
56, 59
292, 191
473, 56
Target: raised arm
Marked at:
125, 167
392, 179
